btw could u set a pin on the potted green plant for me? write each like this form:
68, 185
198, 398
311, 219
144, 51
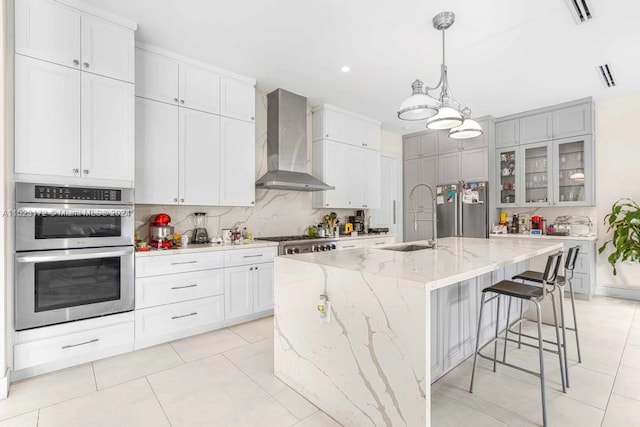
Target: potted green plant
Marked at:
624, 220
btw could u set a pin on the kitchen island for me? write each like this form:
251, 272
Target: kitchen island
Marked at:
367, 362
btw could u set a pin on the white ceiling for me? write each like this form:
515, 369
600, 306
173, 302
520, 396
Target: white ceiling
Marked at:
504, 56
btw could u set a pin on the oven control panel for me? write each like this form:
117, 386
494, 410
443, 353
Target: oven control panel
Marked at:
77, 193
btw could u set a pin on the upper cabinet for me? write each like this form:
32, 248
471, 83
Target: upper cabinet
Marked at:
535, 128
74, 103
573, 121
338, 125
157, 77
507, 133
53, 32
423, 145
237, 100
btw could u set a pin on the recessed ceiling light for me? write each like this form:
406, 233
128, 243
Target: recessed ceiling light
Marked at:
345, 69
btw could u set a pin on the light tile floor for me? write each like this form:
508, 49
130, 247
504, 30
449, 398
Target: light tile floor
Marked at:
224, 378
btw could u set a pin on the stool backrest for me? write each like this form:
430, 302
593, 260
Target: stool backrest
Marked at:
551, 270
570, 262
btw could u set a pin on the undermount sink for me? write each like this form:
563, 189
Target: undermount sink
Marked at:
410, 247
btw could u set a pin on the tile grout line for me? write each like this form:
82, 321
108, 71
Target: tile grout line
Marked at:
176, 352
158, 400
95, 380
269, 394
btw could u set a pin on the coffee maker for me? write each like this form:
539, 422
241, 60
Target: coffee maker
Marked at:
199, 233
358, 221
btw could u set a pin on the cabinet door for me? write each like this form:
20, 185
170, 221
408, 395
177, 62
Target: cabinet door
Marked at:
47, 121
536, 128
199, 144
446, 144
156, 152
572, 121
411, 147
536, 174
429, 144
199, 89
335, 126
411, 173
263, 297
508, 176
479, 141
508, 133
428, 175
108, 49
238, 291
573, 171
373, 136
49, 31
474, 165
156, 77
237, 163
108, 128
355, 177
372, 178
436, 341
237, 100
330, 166
356, 131
449, 168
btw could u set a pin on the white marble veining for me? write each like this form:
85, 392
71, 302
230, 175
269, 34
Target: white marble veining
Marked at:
368, 364
589, 238
455, 259
192, 248
276, 212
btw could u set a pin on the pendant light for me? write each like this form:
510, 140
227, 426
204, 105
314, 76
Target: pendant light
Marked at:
445, 112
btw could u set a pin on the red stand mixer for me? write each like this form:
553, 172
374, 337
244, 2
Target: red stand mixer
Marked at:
160, 232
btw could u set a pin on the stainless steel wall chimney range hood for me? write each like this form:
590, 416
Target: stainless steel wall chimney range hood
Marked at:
287, 145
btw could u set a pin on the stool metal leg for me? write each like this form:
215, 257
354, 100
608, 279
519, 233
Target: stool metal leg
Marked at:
564, 332
475, 355
575, 320
558, 344
506, 332
495, 344
541, 354
520, 324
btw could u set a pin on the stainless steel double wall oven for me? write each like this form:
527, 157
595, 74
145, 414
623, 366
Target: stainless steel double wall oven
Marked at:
74, 253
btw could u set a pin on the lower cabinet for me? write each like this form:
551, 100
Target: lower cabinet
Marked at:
248, 289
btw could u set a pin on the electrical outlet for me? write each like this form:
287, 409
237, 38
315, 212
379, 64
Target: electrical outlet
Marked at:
327, 317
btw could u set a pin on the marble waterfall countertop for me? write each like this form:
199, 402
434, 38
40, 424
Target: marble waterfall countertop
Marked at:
454, 260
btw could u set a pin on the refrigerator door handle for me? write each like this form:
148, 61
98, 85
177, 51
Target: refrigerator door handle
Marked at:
394, 212
460, 217
455, 214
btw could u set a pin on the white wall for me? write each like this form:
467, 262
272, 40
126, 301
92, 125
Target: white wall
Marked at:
276, 212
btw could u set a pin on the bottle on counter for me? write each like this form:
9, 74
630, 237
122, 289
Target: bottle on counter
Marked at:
515, 224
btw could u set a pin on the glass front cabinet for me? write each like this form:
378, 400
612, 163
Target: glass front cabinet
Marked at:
508, 161
573, 165
536, 175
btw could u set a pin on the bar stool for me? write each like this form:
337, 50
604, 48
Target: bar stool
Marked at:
536, 276
534, 294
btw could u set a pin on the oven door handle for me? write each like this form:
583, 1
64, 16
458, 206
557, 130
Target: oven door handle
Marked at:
40, 208
72, 254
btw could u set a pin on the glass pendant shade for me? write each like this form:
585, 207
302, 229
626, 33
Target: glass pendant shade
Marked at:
578, 176
419, 106
468, 129
446, 118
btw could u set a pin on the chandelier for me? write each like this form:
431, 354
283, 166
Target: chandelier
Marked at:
444, 112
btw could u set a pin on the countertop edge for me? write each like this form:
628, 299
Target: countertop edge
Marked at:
207, 248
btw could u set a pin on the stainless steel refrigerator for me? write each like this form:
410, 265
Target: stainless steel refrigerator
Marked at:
463, 209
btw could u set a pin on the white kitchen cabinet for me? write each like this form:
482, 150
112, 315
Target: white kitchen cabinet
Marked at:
356, 131
337, 125
108, 129
237, 162
237, 100
334, 126
474, 165
355, 177
507, 133
199, 157
373, 136
171, 288
53, 32
535, 128
157, 77
199, 89
449, 168
47, 30
107, 49
371, 180
573, 121
248, 289
157, 152
330, 166
47, 118
536, 188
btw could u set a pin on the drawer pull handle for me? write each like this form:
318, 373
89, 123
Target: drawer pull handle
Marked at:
348, 246
185, 287
64, 347
381, 243
184, 315
184, 262
253, 256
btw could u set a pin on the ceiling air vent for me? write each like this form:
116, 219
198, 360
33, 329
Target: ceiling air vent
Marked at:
606, 75
581, 10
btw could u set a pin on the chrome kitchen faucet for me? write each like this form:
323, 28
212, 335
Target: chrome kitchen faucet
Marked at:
432, 242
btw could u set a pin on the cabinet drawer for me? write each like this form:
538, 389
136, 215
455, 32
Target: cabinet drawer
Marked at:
178, 263
153, 291
350, 244
249, 256
76, 344
382, 241
580, 283
168, 319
